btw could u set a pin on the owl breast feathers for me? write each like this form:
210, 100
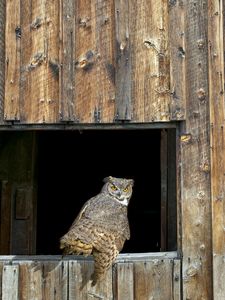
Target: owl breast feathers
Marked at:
102, 226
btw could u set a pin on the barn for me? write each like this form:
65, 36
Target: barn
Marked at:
131, 89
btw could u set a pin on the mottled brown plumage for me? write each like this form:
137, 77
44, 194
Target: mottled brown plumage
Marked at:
101, 227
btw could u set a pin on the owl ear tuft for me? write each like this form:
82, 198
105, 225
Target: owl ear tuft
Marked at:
131, 181
107, 179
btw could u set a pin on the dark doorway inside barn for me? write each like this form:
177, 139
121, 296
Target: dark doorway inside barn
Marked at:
72, 164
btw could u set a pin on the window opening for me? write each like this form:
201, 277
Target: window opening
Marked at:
71, 166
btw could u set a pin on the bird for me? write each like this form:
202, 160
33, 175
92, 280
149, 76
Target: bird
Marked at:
101, 227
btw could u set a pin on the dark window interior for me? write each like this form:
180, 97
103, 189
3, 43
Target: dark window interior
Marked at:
71, 166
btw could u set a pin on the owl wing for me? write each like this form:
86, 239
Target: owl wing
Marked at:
84, 231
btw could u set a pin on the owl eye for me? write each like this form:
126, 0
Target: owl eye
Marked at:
113, 187
126, 189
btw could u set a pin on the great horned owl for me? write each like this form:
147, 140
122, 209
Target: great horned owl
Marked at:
102, 226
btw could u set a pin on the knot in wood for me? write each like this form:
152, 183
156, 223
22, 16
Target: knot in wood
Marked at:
202, 247
200, 43
18, 32
201, 94
192, 271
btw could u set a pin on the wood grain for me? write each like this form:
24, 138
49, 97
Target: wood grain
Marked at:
54, 278
80, 284
150, 60
10, 279
177, 60
195, 158
43, 280
77, 61
124, 281
2, 58
177, 280
13, 61
67, 57
94, 76
153, 279
217, 138
39, 61
123, 61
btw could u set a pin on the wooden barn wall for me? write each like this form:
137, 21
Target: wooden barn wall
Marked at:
93, 61
58, 279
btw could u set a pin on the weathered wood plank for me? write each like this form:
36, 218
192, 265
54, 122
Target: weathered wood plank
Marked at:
63, 280
80, 284
153, 280
123, 61
124, 281
2, 59
218, 276
67, 56
53, 285
94, 75
195, 158
10, 278
43, 280
217, 137
150, 60
123, 257
13, 58
177, 60
39, 61
177, 279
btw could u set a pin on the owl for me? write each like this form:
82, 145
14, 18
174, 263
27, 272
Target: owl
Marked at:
101, 228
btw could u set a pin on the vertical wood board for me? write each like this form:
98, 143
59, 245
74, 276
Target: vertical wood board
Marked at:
13, 61
2, 58
43, 280
67, 57
124, 281
150, 60
195, 158
177, 59
217, 138
80, 285
153, 279
94, 72
177, 278
10, 279
123, 61
39, 61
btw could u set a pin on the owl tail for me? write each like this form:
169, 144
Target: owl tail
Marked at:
103, 261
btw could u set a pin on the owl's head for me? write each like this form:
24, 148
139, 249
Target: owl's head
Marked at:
119, 188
